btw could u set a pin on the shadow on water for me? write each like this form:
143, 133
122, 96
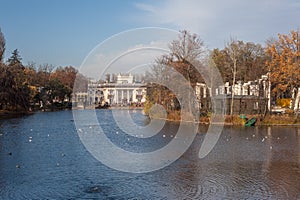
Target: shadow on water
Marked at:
42, 157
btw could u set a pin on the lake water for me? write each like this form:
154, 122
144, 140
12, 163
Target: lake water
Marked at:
42, 157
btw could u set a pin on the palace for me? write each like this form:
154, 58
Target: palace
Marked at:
123, 91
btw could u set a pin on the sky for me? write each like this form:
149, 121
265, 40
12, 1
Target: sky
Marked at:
65, 32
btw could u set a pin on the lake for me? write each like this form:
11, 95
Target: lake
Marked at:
43, 157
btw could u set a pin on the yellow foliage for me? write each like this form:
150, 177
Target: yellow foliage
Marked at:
33, 90
284, 103
147, 106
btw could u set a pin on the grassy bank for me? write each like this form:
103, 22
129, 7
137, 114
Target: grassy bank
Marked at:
263, 120
235, 120
286, 119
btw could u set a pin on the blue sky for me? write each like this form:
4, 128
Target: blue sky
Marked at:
63, 32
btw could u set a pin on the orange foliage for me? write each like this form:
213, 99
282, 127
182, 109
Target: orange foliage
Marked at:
66, 75
284, 103
284, 62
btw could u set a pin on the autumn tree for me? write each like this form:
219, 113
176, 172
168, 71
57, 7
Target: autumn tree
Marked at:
184, 59
6, 85
240, 61
55, 89
23, 86
3, 93
43, 74
31, 74
14, 86
284, 64
67, 76
251, 59
221, 60
2, 46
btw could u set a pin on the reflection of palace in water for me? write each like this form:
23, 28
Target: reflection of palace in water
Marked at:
122, 92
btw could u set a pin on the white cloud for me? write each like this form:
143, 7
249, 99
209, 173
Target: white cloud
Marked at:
127, 51
216, 20
134, 59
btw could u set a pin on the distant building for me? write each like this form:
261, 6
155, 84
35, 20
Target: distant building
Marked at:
125, 79
80, 99
242, 104
253, 97
125, 91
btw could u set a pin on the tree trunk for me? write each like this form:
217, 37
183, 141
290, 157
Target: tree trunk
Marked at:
296, 104
232, 88
189, 92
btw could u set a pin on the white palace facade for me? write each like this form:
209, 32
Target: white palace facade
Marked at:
123, 92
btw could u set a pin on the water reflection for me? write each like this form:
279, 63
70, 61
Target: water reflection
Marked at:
268, 140
55, 165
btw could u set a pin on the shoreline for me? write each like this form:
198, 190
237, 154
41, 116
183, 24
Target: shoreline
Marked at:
5, 114
285, 120
224, 124
236, 120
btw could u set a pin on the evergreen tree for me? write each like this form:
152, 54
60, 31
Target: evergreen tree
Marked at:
15, 58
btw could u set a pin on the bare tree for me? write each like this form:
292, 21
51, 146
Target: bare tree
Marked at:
188, 47
232, 50
185, 54
184, 60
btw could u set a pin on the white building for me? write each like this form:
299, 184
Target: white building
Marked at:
256, 88
124, 79
80, 99
124, 92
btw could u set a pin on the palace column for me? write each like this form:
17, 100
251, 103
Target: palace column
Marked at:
117, 96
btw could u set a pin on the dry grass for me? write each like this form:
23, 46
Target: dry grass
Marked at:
280, 119
236, 120
174, 116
